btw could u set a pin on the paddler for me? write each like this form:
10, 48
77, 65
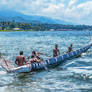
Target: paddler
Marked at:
20, 60
70, 48
35, 57
56, 51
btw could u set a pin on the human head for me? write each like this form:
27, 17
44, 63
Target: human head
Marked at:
56, 45
21, 52
32, 56
71, 45
33, 52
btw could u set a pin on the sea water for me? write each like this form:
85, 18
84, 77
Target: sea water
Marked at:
73, 76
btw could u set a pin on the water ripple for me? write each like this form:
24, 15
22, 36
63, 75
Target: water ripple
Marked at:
73, 76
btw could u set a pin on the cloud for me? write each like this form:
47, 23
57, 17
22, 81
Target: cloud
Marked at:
78, 11
53, 9
81, 13
72, 2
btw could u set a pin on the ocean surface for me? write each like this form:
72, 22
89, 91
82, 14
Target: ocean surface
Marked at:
73, 76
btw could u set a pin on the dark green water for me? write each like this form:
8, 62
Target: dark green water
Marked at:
73, 76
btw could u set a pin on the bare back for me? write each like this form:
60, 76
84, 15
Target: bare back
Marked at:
55, 52
20, 60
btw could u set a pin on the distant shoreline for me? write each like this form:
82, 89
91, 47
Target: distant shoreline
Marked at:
15, 31
40, 30
11, 26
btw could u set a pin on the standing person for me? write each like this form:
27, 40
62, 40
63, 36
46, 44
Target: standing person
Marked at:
70, 48
20, 60
56, 51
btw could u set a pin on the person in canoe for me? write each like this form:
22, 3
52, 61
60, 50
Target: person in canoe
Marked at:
70, 48
35, 57
20, 60
56, 51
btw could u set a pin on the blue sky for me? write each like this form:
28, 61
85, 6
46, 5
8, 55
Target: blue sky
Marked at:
77, 11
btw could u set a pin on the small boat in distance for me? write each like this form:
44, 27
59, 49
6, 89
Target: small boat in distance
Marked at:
54, 61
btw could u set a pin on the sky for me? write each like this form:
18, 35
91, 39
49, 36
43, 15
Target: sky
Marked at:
75, 11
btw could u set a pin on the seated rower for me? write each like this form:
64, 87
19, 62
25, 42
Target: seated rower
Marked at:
56, 51
37, 55
33, 59
20, 60
70, 48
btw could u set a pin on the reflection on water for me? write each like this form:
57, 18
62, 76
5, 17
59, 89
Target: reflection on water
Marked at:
73, 76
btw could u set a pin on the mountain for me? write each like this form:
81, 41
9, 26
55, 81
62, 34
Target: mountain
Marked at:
19, 17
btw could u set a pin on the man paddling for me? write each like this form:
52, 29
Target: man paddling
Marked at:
70, 48
56, 51
37, 55
20, 60
36, 58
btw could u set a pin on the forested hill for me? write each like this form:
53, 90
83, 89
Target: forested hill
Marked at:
11, 20
41, 26
19, 17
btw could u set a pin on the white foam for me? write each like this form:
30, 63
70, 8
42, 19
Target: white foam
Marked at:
2, 72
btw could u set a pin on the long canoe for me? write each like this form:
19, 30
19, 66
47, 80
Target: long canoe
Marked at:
46, 63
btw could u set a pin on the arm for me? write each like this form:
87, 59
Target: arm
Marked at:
25, 60
41, 53
53, 52
68, 50
16, 61
58, 52
28, 57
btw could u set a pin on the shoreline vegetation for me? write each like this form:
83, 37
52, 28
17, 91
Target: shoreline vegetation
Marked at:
21, 26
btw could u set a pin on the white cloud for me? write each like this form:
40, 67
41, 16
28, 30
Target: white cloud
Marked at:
69, 10
53, 9
81, 13
72, 2
86, 7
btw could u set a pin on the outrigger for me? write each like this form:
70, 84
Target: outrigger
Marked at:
54, 61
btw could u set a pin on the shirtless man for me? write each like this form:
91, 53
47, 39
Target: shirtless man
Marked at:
37, 55
33, 59
56, 51
36, 58
70, 48
20, 60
